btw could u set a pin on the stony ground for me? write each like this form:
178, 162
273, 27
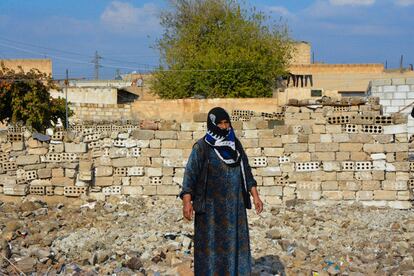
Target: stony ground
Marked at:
147, 236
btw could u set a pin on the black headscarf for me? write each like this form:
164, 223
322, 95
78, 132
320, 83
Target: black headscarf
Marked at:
222, 140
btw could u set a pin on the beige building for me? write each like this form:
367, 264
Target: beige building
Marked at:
341, 79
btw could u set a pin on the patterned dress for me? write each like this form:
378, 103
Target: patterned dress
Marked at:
221, 234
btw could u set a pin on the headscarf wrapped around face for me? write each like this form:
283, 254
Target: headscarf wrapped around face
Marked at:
223, 141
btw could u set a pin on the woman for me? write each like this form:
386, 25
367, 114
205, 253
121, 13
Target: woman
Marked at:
216, 185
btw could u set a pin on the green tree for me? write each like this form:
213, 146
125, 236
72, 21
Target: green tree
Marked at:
25, 98
215, 48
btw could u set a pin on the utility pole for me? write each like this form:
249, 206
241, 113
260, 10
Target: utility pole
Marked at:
313, 57
66, 100
96, 62
386, 64
401, 63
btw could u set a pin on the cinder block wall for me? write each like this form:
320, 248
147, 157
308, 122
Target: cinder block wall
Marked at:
101, 112
321, 154
395, 94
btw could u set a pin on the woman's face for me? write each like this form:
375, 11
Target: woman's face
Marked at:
223, 124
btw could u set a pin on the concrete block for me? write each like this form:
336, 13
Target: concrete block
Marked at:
409, 81
62, 181
392, 185
400, 95
267, 143
341, 156
168, 190
350, 185
404, 195
249, 143
269, 171
332, 195
300, 157
104, 181
280, 130
395, 129
171, 152
386, 102
330, 166
309, 186
309, 195
323, 147
381, 82
403, 88
298, 147
44, 173
410, 95
400, 147
318, 129
193, 126
58, 172
140, 134
376, 156
364, 195
334, 129
273, 151
286, 139
132, 190
385, 195
307, 166
103, 171
76, 148
271, 190
400, 204
370, 185
363, 175
397, 81
350, 147
130, 162
389, 88
27, 159
37, 151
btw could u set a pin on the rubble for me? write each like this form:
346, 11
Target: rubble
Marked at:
148, 236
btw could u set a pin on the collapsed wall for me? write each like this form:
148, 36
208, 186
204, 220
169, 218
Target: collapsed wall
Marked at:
314, 151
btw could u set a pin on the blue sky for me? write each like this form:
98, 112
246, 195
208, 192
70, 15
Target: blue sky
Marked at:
123, 31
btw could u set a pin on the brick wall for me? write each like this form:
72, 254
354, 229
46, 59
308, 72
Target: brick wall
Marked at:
395, 94
101, 112
320, 154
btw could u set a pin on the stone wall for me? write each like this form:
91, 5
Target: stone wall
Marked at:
395, 94
101, 112
324, 153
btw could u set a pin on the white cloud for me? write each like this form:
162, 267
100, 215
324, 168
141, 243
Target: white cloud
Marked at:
352, 2
405, 3
280, 10
124, 17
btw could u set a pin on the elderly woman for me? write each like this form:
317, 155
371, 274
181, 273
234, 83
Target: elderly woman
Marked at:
217, 183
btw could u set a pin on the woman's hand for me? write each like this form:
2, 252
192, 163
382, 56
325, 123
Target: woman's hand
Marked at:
187, 207
258, 204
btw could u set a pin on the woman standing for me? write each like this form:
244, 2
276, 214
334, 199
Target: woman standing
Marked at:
216, 185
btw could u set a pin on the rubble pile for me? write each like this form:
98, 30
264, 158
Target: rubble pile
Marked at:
148, 236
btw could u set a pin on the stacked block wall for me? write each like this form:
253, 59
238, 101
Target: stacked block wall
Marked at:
323, 154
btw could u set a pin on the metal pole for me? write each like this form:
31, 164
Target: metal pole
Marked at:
66, 100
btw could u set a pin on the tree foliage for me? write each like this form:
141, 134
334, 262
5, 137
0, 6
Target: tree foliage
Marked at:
25, 98
215, 48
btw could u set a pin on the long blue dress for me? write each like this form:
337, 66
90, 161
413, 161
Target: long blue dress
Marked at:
221, 234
